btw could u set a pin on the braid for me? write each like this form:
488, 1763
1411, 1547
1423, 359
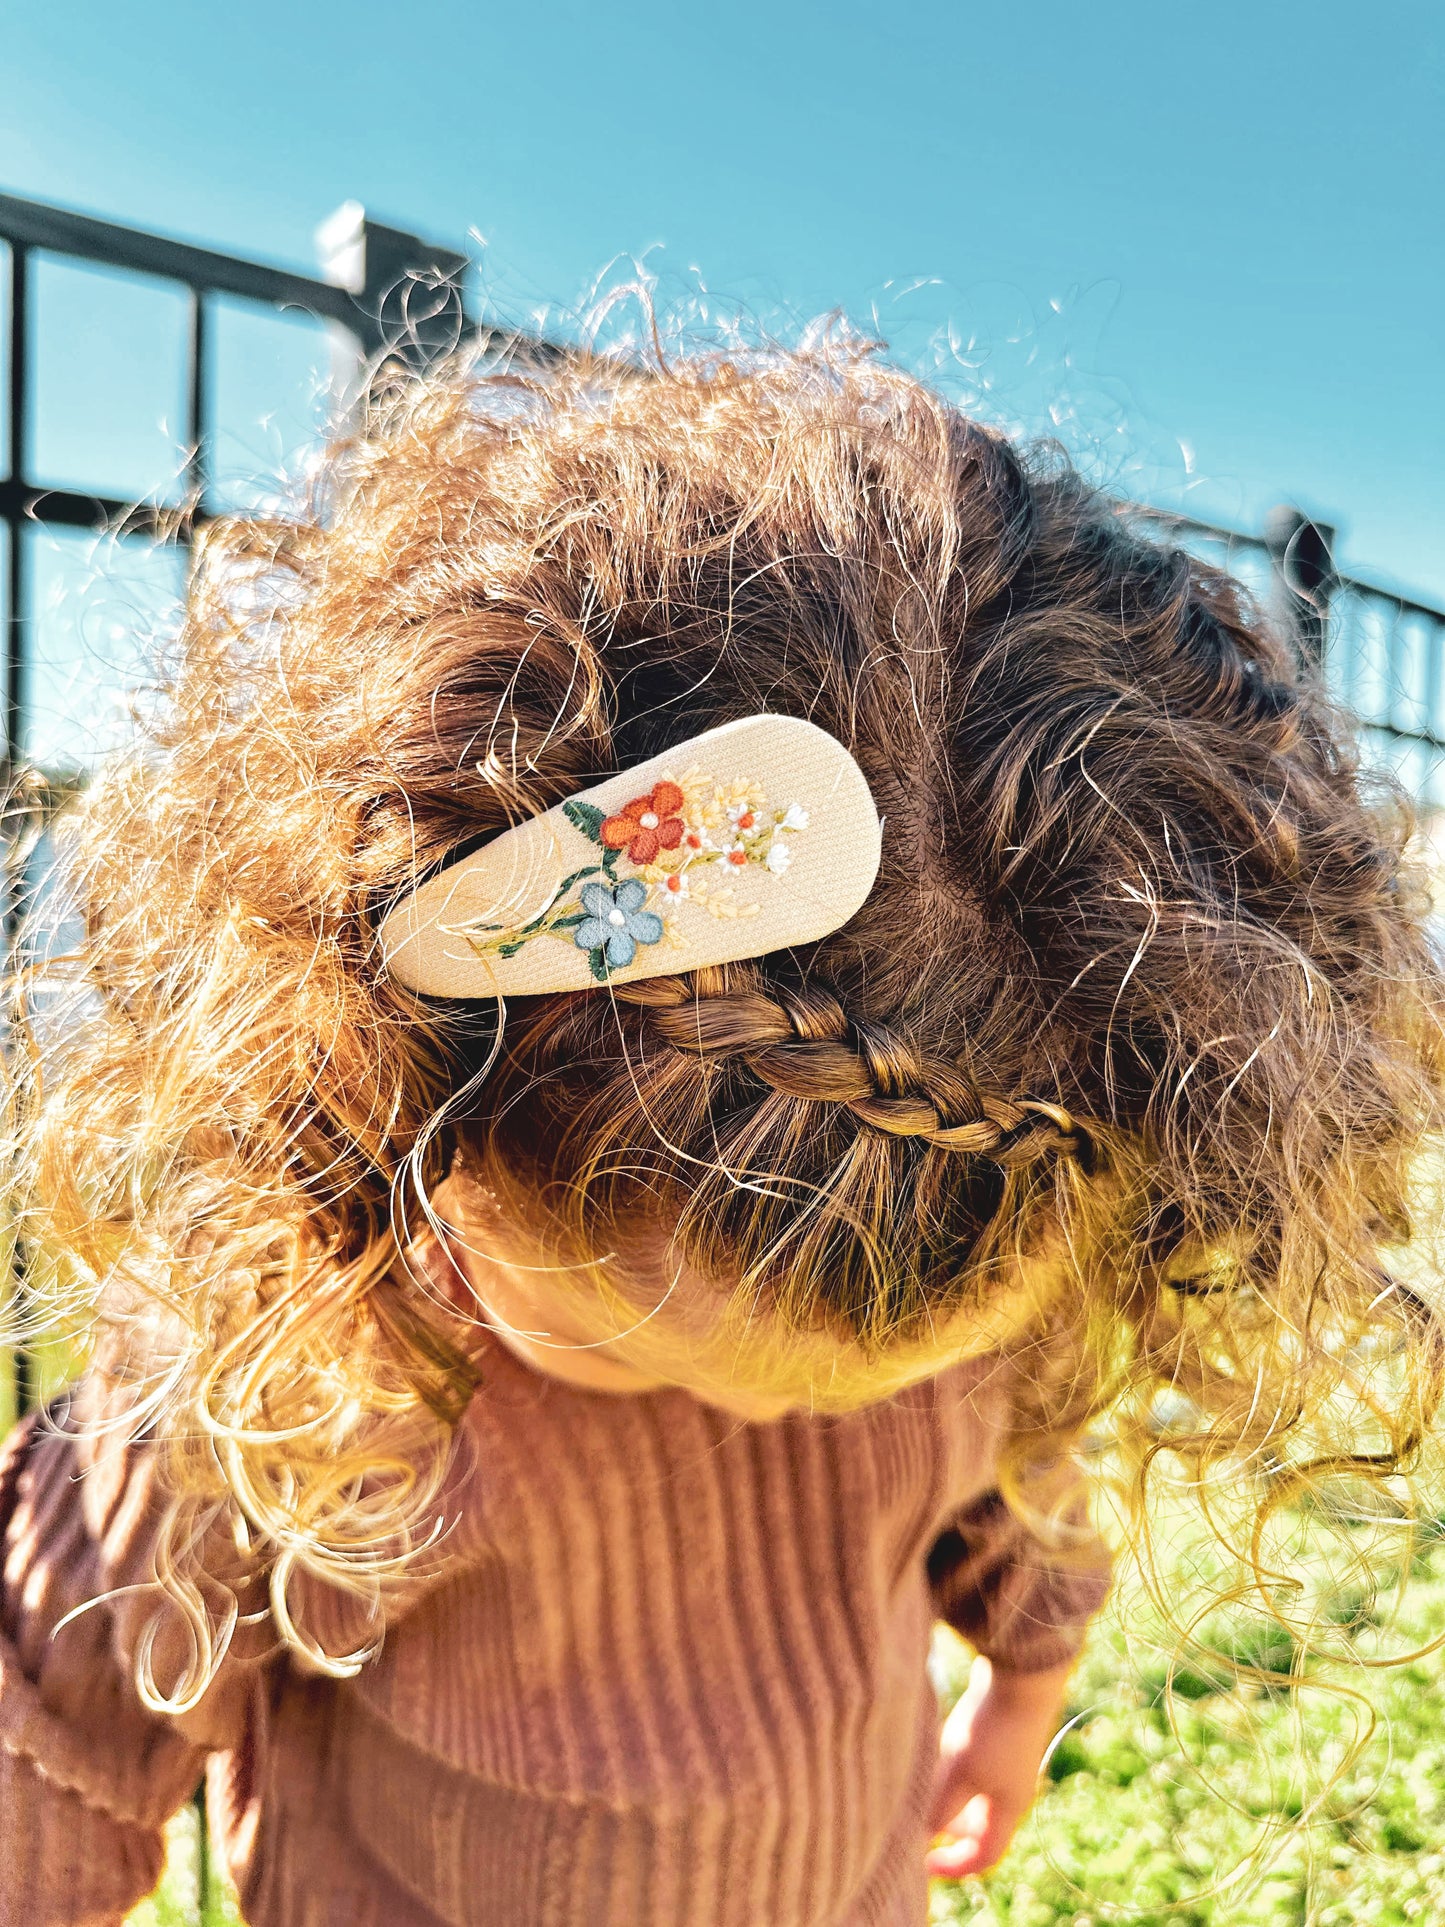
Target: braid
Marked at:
802, 1043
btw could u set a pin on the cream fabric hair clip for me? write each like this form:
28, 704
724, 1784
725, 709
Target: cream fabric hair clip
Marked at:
744, 840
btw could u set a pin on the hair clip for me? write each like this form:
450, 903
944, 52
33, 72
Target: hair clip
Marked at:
744, 840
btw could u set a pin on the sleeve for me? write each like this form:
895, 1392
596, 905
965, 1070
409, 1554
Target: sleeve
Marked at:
1022, 1604
88, 1775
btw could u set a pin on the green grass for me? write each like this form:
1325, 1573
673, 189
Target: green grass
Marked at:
1180, 1804
1188, 1801
177, 1902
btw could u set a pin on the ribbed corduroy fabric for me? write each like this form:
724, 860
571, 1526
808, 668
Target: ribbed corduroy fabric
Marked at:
670, 1672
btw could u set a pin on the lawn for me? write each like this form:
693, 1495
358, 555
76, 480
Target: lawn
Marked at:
1191, 1802
1181, 1806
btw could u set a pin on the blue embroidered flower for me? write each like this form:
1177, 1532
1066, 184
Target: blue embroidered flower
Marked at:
616, 921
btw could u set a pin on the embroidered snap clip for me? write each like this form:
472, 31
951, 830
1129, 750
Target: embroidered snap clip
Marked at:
751, 838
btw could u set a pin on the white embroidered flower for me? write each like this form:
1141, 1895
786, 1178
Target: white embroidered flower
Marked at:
794, 817
735, 853
779, 856
675, 887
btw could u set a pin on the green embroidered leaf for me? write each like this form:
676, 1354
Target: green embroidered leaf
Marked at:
598, 960
511, 949
568, 923
545, 916
609, 863
585, 817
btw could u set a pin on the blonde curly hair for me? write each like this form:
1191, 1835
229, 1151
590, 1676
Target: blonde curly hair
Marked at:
1143, 980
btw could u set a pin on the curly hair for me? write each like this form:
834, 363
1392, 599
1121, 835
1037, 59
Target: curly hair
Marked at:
1143, 979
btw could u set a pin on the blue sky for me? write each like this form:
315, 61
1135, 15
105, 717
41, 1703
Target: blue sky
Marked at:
1204, 245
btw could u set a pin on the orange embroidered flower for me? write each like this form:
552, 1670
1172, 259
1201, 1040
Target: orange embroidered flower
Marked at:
646, 825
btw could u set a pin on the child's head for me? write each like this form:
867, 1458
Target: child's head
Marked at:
1129, 1048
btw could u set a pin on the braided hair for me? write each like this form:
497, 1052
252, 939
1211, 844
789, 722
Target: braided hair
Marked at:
801, 1042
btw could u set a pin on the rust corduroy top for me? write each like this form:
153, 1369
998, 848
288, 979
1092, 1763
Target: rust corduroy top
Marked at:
671, 1672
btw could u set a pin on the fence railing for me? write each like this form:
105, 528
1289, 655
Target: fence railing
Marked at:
1382, 653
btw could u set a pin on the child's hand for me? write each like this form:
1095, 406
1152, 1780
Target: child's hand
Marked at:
988, 1765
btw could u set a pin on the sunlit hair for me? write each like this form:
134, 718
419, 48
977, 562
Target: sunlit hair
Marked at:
1142, 986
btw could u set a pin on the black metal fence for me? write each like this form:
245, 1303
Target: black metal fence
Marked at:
387, 290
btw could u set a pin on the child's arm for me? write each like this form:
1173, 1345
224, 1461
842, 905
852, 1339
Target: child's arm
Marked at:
88, 1775
989, 1756
1025, 1608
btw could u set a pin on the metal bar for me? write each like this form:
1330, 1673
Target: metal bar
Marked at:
1302, 554
18, 435
203, 1858
22, 1374
70, 508
34, 224
1433, 643
1407, 605
13, 567
198, 427
1395, 689
1343, 658
23, 1387
1217, 530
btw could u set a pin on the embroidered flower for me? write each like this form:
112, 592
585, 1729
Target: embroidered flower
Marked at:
616, 921
740, 798
646, 825
688, 840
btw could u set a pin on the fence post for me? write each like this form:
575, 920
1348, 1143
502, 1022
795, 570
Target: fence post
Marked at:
408, 294
1302, 552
